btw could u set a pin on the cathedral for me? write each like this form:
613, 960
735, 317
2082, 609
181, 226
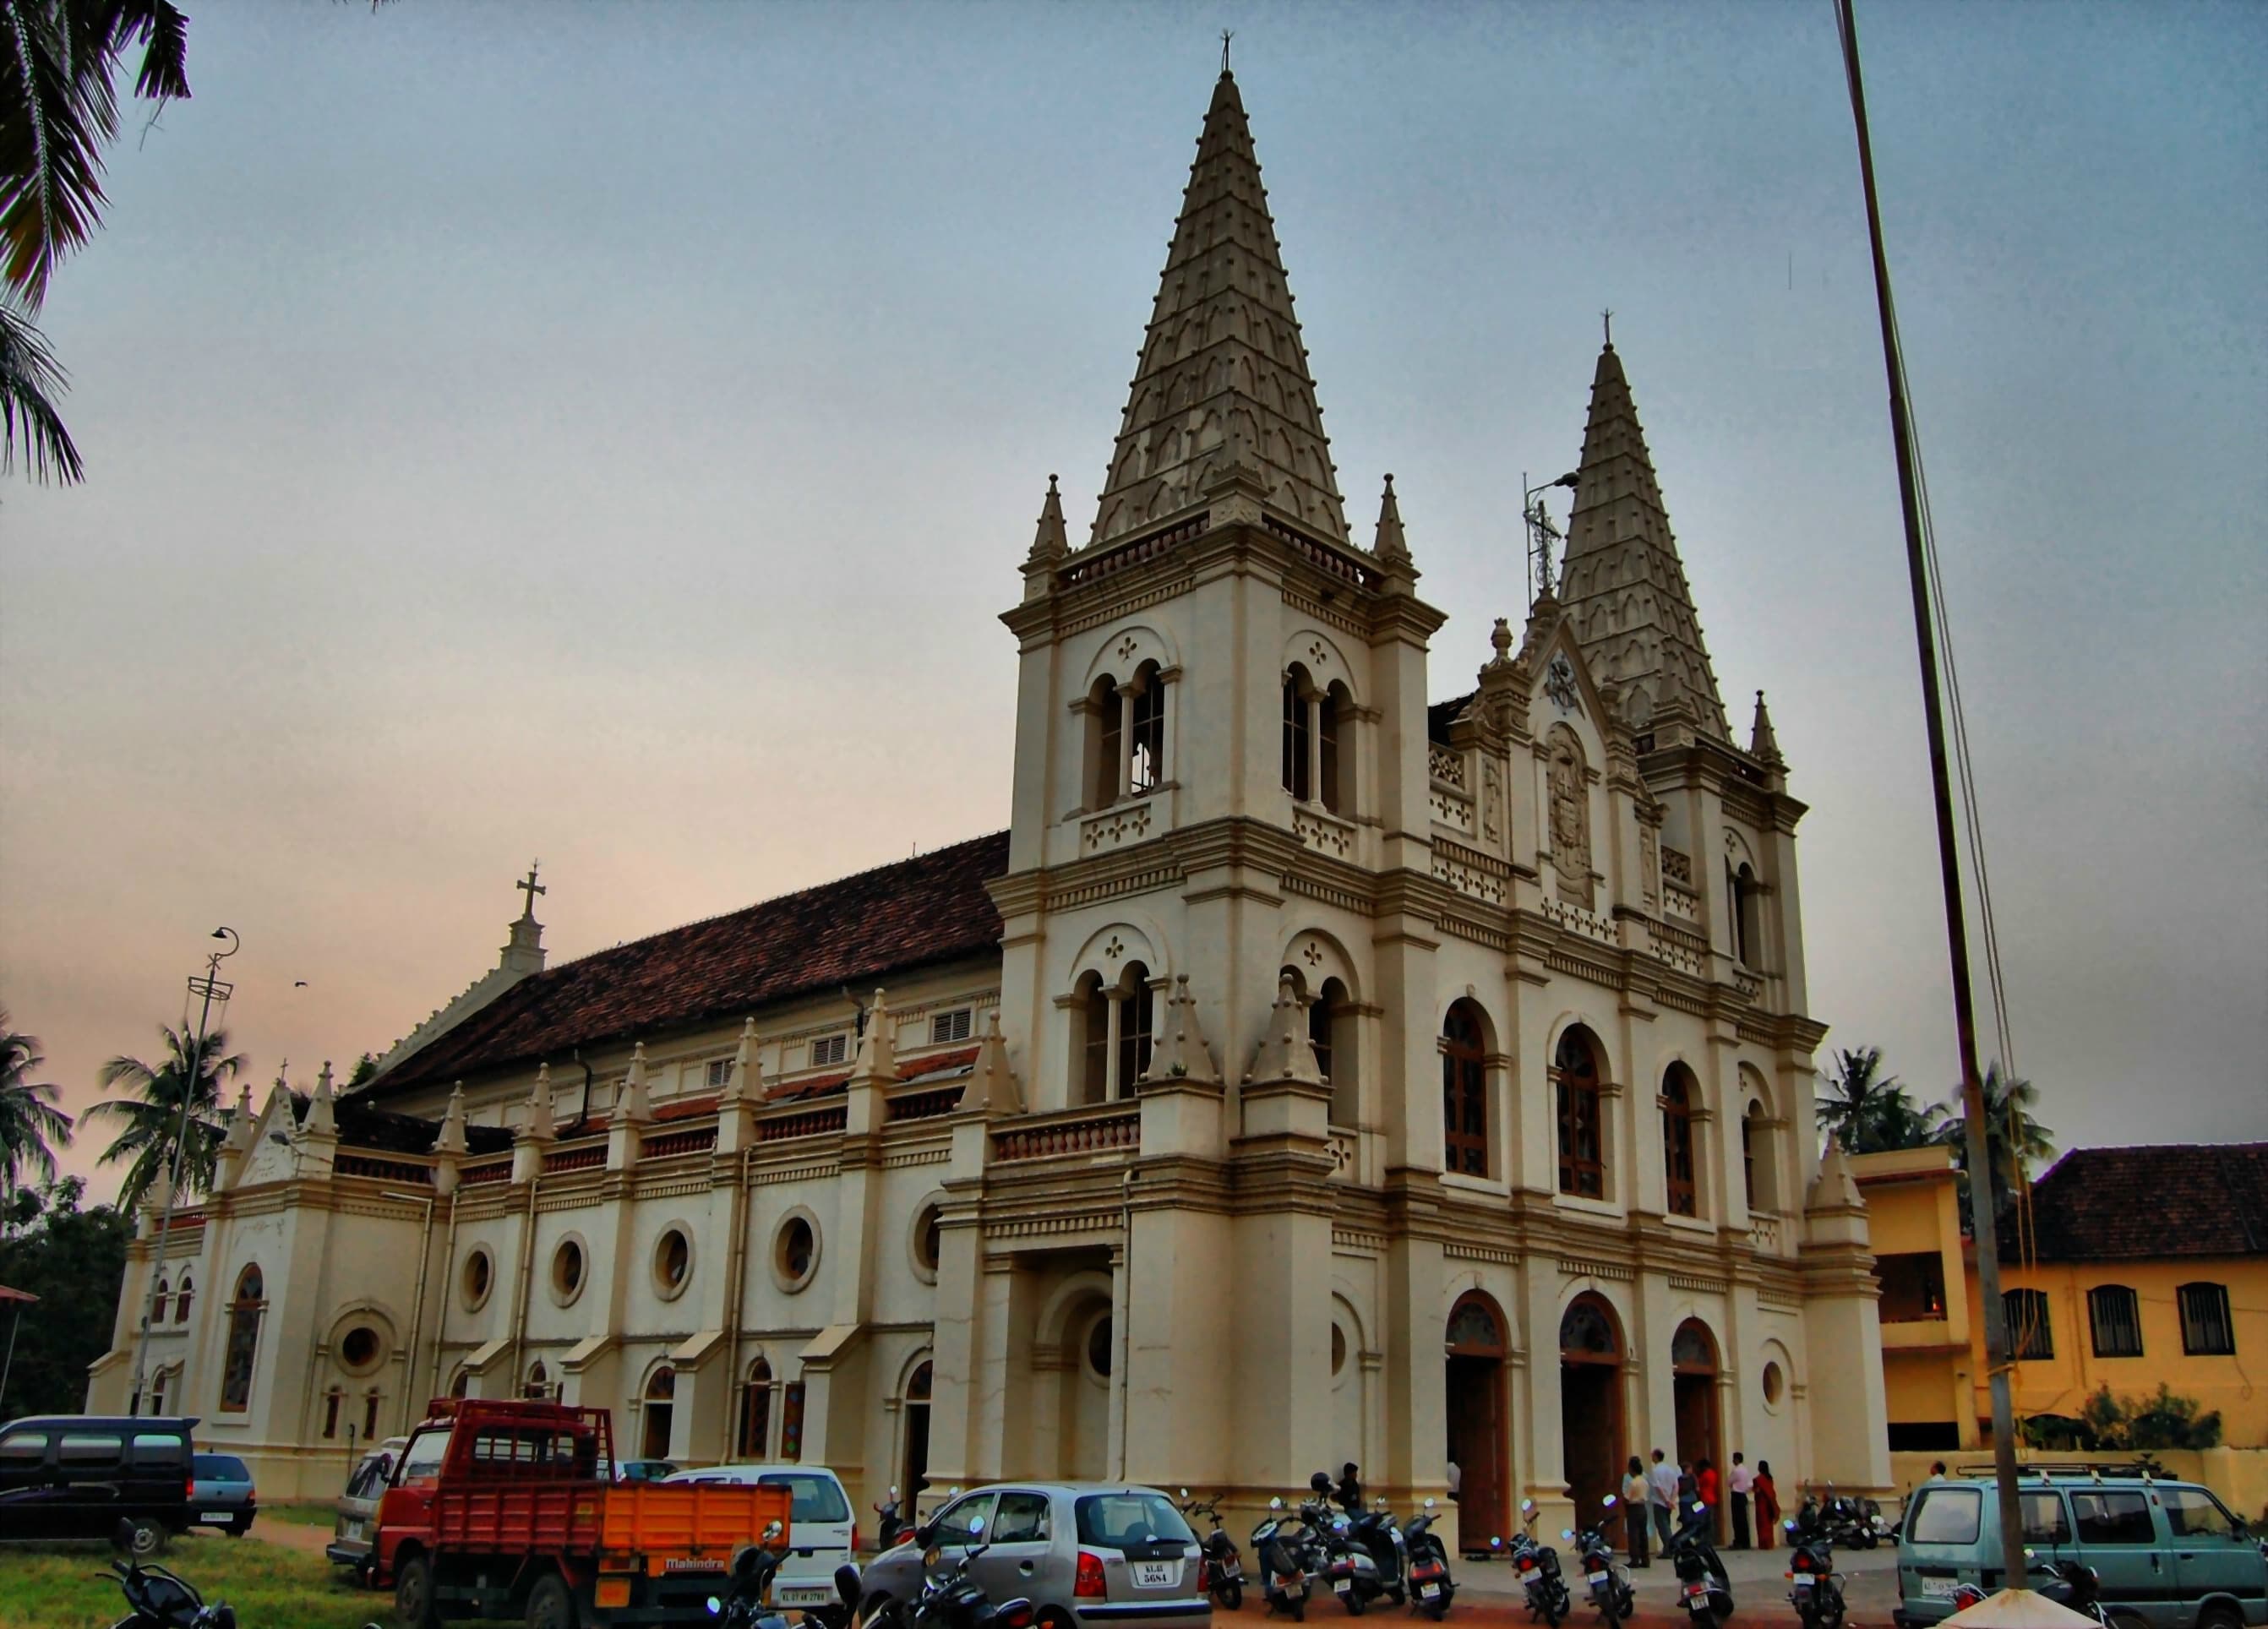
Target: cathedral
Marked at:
1313, 1071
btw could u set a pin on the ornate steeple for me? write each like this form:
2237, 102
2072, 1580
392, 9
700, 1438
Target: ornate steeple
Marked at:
1623, 585
1048, 542
1389, 543
1222, 392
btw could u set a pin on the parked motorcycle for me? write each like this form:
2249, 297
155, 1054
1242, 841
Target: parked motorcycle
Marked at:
1815, 1589
1608, 1579
1279, 1545
1537, 1567
157, 1598
1703, 1587
1353, 1572
1224, 1568
891, 1526
1431, 1589
951, 1599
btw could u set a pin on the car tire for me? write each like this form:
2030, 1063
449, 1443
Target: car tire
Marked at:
144, 1536
2218, 1617
2127, 1620
413, 1593
551, 1604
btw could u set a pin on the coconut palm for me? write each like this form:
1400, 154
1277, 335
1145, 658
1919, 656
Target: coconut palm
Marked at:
152, 1115
1866, 1110
58, 111
2014, 1140
30, 1124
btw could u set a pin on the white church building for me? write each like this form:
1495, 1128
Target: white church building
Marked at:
1313, 1071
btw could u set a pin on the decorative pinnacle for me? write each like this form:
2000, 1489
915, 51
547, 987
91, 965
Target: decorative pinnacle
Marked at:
1763, 744
1389, 543
1050, 541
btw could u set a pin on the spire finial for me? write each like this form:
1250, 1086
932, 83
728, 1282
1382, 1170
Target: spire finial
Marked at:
1389, 544
531, 888
1607, 320
1762, 743
1226, 34
1050, 542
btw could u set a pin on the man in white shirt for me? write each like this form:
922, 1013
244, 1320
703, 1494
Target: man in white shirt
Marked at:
1661, 1495
1741, 1482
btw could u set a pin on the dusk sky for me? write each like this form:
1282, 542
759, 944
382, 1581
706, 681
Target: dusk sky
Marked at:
610, 433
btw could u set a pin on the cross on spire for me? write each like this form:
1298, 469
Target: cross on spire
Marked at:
1226, 34
1607, 320
531, 888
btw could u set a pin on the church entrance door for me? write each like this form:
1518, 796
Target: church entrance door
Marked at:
1693, 1369
1478, 1421
1591, 1434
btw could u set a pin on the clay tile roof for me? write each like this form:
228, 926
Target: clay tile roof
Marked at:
1441, 715
856, 931
2125, 1204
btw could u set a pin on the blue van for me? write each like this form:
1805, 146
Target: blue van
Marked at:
2169, 1554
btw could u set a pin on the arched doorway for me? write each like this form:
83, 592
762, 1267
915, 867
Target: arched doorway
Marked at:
917, 1411
1693, 1371
1478, 1421
660, 1409
1591, 1403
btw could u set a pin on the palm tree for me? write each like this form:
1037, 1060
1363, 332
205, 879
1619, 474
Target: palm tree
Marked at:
30, 1123
153, 1114
2014, 1141
58, 111
1868, 1111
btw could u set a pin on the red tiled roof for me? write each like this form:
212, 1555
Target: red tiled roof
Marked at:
2125, 1204
855, 932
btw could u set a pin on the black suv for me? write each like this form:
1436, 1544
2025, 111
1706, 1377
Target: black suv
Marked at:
78, 1476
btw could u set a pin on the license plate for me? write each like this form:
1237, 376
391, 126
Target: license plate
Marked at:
1344, 1585
217, 1515
1804, 1582
1939, 1589
1598, 1578
1429, 1590
351, 1530
1156, 1575
1694, 1592
806, 1597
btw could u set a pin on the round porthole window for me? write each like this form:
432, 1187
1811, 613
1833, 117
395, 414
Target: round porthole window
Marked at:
672, 1263
1775, 1385
567, 1271
795, 1252
1099, 1347
928, 1242
361, 1349
476, 1279
1338, 1349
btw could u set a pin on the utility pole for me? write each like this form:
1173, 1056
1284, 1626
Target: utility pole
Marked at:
207, 986
1948, 857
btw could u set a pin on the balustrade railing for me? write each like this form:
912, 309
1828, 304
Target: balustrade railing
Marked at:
1095, 1130
383, 1170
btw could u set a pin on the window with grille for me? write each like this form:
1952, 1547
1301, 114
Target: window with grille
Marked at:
1464, 1092
2028, 1334
2205, 1328
1677, 1143
829, 1049
719, 1073
1582, 1144
952, 1026
2113, 1316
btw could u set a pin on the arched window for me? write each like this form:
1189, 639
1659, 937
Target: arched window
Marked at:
660, 1409
2029, 1335
1126, 736
370, 1416
539, 1382
1136, 1024
1587, 1333
1332, 710
1331, 1030
332, 1400
1146, 732
1464, 1091
1582, 1142
2113, 1316
160, 1383
243, 1313
165, 1297
757, 1411
1748, 936
181, 1301
1114, 1026
460, 1383
1298, 739
1094, 1047
1677, 1105
1109, 736
1749, 1154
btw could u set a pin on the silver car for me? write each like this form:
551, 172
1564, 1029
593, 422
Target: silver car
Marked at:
1087, 1553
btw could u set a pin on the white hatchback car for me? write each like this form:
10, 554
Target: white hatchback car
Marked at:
820, 1533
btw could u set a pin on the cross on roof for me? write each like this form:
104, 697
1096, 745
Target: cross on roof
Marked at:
1607, 317
531, 888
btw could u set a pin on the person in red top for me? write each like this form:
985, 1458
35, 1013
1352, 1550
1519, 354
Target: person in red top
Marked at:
1705, 1487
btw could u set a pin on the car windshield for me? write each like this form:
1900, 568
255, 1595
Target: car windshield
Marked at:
1947, 1515
221, 1468
1117, 1520
421, 1459
817, 1498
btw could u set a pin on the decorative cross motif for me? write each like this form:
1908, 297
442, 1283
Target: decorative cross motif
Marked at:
531, 888
1313, 952
1127, 647
1115, 949
1318, 652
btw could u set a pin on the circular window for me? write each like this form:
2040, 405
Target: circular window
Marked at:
1338, 1348
928, 1242
476, 1279
1099, 1347
361, 1349
1775, 1384
567, 1271
795, 1252
672, 1263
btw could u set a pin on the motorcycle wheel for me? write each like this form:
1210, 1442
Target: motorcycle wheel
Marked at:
1229, 1596
1353, 1603
1298, 1610
1702, 1619
1436, 1608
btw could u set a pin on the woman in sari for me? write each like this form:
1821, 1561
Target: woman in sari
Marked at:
1767, 1498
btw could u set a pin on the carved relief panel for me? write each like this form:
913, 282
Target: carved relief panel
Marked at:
1570, 817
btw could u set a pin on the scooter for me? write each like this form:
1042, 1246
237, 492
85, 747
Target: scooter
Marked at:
1354, 1574
1703, 1587
1278, 1545
157, 1598
1431, 1589
891, 1526
742, 1604
1378, 1532
1610, 1580
1224, 1568
1537, 1567
950, 1599
1815, 1589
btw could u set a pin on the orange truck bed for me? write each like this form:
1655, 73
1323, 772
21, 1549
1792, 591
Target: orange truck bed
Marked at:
636, 1526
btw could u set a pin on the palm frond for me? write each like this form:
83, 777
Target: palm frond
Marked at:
30, 380
55, 116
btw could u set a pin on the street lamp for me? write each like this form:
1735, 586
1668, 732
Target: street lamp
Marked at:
207, 986
1541, 532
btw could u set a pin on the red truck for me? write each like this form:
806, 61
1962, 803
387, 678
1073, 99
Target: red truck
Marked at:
507, 1509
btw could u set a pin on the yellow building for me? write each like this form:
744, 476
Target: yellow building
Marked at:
2128, 1267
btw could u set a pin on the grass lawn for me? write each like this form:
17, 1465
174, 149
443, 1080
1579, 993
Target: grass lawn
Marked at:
65, 1586
300, 1512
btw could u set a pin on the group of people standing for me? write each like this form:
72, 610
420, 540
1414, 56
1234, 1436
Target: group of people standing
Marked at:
1657, 1492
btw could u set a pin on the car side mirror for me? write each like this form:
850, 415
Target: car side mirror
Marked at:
925, 1533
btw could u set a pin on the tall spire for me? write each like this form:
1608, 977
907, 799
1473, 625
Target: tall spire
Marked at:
1389, 543
1222, 390
1622, 585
